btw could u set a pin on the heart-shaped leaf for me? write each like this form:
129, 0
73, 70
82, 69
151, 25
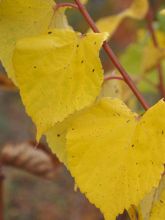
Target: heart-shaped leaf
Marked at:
114, 157
57, 75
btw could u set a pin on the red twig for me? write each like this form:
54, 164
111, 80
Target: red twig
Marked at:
113, 57
65, 4
149, 19
113, 77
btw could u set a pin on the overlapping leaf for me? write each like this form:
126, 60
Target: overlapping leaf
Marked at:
56, 138
23, 18
152, 207
111, 88
57, 75
158, 204
114, 158
116, 88
137, 10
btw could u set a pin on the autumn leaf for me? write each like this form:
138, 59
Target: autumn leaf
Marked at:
158, 202
115, 157
84, 1
133, 213
152, 205
111, 88
162, 12
57, 75
137, 10
151, 57
56, 138
20, 19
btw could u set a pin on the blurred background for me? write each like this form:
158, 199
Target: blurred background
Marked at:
27, 196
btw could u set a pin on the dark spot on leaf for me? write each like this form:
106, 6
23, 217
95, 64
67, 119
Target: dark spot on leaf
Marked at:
34, 67
49, 32
82, 61
95, 43
128, 121
58, 135
162, 132
77, 45
132, 145
116, 91
161, 201
93, 70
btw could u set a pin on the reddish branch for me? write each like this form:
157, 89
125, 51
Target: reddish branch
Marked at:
149, 19
65, 4
106, 78
113, 57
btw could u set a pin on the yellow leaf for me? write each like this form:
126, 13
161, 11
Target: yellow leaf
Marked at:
133, 213
143, 210
137, 10
162, 12
59, 20
84, 1
57, 75
151, 57
114, 158
110, 23
23, 18
56, 138
111, 88
158, 212
158, 206
150, 207
117, 88
160, 35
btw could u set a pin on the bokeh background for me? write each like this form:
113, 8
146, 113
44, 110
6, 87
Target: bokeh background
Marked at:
27, 196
